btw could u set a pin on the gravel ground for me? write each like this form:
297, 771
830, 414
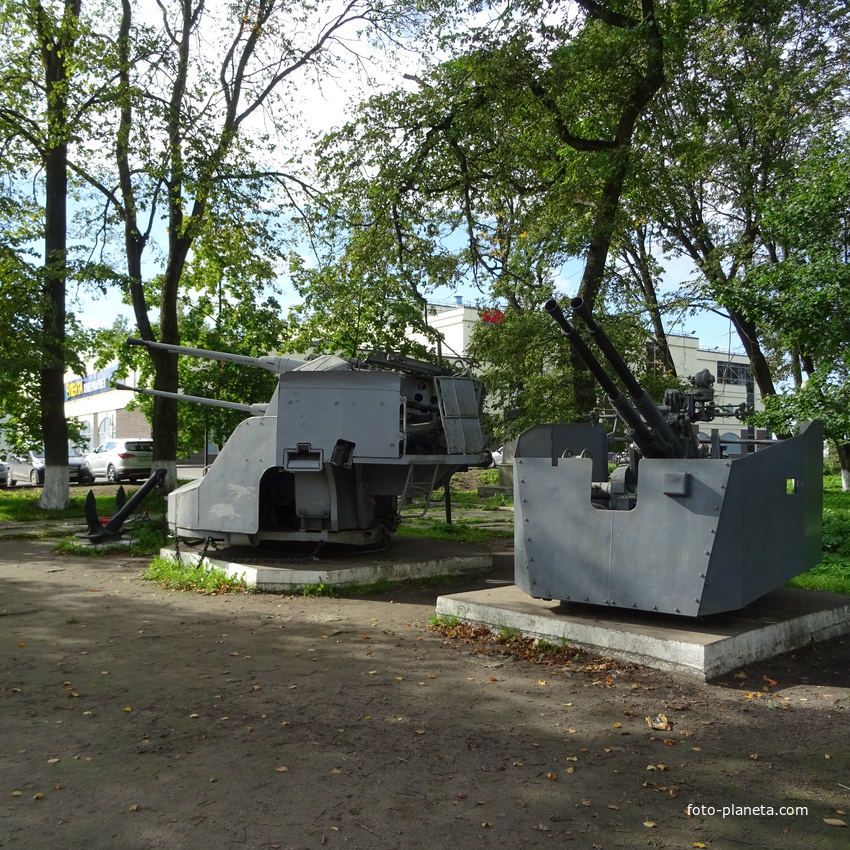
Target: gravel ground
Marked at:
137, 718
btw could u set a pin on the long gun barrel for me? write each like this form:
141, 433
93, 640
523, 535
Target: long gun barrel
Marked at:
641, 435
253, 409
273, 364
665, 437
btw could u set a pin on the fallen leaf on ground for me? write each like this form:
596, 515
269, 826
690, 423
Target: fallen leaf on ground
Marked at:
281, 769
659, 723
649, 823
834, 821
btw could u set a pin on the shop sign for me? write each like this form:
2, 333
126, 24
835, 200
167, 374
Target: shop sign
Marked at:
99, 382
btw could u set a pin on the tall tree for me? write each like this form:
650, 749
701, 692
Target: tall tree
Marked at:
753, 86
802, 293
36, 120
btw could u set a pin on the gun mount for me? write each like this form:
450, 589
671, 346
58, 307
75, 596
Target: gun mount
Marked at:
679, 528
330, 457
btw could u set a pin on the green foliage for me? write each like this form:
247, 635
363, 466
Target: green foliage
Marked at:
833, 572
310, 590
443, 621
508, 634
173, 575
804, 295
491, 172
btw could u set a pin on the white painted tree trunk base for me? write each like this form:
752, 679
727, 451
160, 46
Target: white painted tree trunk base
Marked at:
56, 493
170, 467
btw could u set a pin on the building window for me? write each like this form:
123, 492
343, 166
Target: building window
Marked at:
105, 430
737, 374
86, 434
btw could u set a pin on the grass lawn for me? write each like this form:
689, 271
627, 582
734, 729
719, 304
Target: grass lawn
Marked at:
833, 572
22, 506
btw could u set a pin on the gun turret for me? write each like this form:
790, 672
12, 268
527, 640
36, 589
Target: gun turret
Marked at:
672, 542
339, 447
253, 409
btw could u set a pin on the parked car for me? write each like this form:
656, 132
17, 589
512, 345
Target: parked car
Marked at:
30, 467
4, 478
122, 457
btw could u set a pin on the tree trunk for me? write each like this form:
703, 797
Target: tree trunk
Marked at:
749, 336
844, 465
605, 214
55, 50
54, 426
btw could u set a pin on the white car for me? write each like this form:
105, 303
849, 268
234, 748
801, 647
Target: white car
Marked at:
122, 457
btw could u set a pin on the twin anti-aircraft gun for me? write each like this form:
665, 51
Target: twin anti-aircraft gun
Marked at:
680, 528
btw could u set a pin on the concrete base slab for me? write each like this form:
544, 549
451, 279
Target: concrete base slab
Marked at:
705, 647
404, 558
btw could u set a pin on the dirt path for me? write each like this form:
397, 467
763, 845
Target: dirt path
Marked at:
150, 719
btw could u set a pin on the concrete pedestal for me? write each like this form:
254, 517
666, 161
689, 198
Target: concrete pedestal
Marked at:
705, 647
404, 558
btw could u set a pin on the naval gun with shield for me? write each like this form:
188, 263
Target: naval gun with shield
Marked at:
680, 528
330, 458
